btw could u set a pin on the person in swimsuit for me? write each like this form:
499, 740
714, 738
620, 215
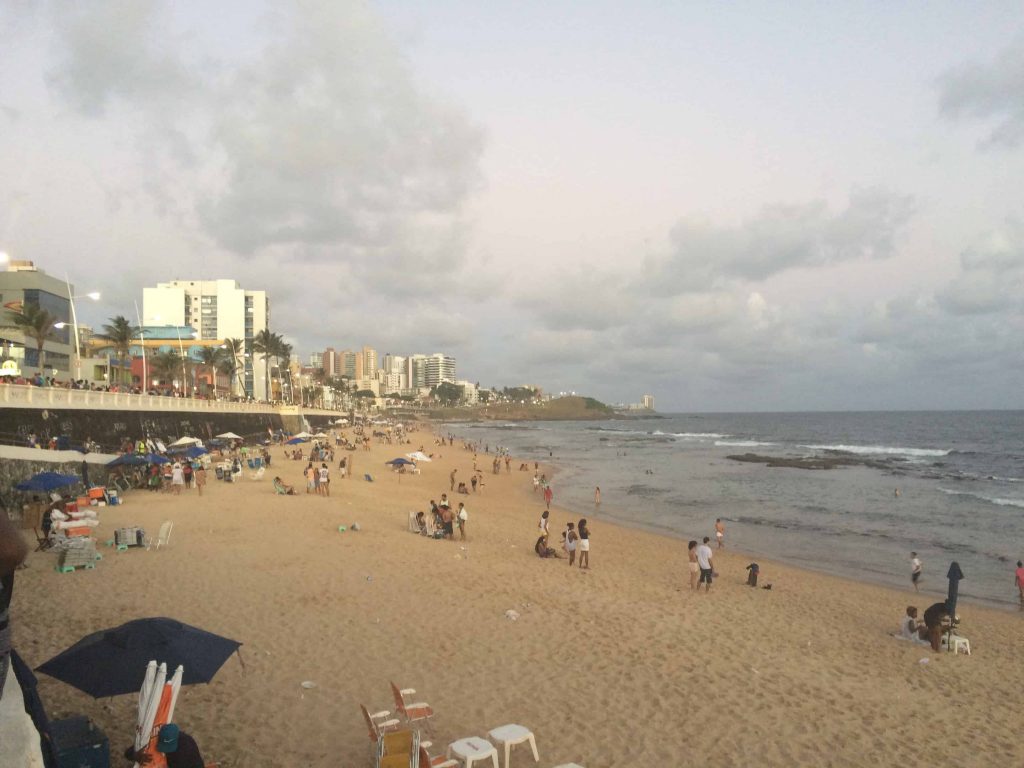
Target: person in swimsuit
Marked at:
584, 544
570, 542
720, 533
691, 553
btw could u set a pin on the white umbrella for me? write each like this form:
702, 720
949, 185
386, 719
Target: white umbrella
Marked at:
341, 421
230, 436
320, 434
417, 456
302, 435
184, 441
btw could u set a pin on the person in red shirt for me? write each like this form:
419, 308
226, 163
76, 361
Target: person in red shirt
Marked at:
1019, 580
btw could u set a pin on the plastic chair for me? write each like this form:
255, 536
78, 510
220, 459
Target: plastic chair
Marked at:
163, 538
440, 761
412, 712
378, 723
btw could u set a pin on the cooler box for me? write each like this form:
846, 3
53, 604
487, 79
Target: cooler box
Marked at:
84, 530
78, 743
115, 499
82, 501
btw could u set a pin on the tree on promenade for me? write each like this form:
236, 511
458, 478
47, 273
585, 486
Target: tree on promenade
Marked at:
120, 333
167, 364
210, 357
229, 362
284, 355
36, 324
263, 345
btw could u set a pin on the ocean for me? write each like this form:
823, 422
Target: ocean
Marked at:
960, 477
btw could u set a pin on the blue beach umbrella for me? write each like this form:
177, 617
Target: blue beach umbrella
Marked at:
113, 661
47, 481
156, 458
399, 462
195, 452
130, 459
295, 440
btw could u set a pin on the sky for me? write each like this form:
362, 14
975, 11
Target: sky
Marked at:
733, 207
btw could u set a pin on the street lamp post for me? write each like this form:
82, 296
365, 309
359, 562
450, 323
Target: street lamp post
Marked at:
95, 296
142, 340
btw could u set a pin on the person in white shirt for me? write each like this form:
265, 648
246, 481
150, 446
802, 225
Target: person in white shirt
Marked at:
704, 558
324, 477
915, 569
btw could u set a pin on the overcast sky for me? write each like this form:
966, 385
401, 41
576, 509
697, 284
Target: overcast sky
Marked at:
732, 206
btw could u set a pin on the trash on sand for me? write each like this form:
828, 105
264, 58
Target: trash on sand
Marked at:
511, 614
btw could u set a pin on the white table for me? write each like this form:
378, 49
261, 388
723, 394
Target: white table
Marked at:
472, 749
512, 734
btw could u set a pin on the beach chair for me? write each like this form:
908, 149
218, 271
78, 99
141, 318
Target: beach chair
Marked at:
251, 463
258, 474
163, 538
35, 515
378, 723
412, 712
440, 761
368, 478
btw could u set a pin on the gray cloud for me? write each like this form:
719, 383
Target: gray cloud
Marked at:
991, 277
993, 92
780, 238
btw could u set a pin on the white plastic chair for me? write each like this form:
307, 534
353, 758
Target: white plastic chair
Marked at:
163, 538
258, 474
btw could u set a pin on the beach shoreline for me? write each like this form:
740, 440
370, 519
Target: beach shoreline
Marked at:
601, 665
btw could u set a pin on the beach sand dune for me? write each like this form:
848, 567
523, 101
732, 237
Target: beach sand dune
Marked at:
618, 666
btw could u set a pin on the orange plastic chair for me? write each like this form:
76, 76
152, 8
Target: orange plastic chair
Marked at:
412, 712
426, 761
378, 723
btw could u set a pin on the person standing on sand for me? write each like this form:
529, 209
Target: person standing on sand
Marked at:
584, 544
446, 522
542, 526
325, 479
200, 475
915, 570
1019, 581
691, 554
548, 496
720, 533
536, 482
462, 517
310, 474
571, 538
177, 478
472, 481
597, 496
451, 478
704, 561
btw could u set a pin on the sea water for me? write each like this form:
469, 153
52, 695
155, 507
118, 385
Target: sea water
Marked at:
960, 477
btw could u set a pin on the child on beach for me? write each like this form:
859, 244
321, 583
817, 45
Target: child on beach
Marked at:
569, 539
542, 526
691, 553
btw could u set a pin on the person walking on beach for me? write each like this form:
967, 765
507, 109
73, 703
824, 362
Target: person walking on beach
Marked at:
704, 562
542, 526
462, 517
451, 479
177, 478
536, 482
186, 471
720, 533
1019, 581
548, 495
310, 474
597, 496
915, 570
584, 544
325, 480
472, 481
691, 554
200, 475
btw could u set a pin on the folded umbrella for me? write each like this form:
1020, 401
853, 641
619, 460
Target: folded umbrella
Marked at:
112, 662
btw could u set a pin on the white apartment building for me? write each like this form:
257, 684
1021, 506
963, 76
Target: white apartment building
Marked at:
216, 309
438, 368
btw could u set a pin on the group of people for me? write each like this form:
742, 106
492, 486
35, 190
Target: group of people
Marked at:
318, 479
443, 520
575, 538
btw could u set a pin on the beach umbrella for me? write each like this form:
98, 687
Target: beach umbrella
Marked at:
418, 456
302, 435
184, 441
130, 459
47, 481
295, 440
114, 661
320, 434
230, 436
155, 458
195, 452
399, 462
954, 575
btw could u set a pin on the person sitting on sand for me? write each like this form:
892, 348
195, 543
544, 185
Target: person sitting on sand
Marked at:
910, 627
280, 487
421, 523
178, 748
542, 549
463, 489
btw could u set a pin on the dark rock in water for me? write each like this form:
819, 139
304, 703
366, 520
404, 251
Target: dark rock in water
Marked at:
831, 461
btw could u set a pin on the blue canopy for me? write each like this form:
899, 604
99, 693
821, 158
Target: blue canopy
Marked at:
195, 452
295, 440
156, 458
131, 459
47, 481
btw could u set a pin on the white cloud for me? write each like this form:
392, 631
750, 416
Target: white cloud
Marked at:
992, 92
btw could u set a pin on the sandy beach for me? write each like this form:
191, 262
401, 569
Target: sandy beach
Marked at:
620, 665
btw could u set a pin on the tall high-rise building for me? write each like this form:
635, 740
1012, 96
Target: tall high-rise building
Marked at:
439, 368
215, 309
347, 364
647, 401
416, 369
316, 359
369, 356
330, 362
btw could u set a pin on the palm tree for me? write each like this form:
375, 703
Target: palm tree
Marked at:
211, 358
120, 333
284, 355
263, 345
166, 364
233, 351
36, 324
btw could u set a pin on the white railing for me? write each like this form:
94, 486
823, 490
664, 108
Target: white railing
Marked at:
27, 396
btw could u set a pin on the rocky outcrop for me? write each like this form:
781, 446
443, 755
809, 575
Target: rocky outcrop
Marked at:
810, 462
